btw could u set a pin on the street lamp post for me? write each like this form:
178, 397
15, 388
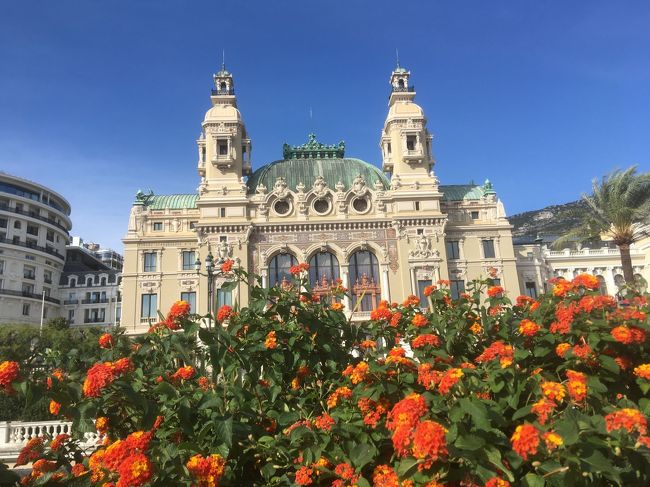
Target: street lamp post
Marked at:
210, 274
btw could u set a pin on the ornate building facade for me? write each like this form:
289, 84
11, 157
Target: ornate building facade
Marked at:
385, 233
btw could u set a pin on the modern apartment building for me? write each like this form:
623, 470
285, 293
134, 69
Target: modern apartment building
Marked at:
34, 231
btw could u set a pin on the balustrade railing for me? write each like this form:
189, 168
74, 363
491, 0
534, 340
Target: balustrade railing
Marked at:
14, 435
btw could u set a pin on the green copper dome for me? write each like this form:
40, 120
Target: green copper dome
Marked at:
304, 163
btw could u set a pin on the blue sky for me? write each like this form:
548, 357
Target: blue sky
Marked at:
99, 99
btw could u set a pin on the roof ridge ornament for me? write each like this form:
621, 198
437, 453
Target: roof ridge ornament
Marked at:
313, 149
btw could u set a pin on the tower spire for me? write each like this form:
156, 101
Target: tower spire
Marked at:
223, 60
397, 57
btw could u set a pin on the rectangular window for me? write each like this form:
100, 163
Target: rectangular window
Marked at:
17, 225
417, 206
71, 316
46, 291
488, 249
150, 262
3, 223
531, 289
388, 147
189, 257
149, 306
50, 235
457, 287
2, 267
453, 250
223, 148
410, 142
495, 281
190, 298
32, 229
157, 226
47, 277
25, 309
224, 297
29, 272
474, 215
193, 225
222, 212
421, 285
28, 289
31, 243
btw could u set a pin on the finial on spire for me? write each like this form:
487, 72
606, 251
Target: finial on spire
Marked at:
397, 56
223, 60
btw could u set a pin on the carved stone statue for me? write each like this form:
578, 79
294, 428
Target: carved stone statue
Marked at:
261, 189
224, 251
359, 186
280, 187
176, 225
423, 248
320, 186
203, 187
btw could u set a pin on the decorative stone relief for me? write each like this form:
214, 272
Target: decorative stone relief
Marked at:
393, 262
300, 188
203, 187
224, 250
280, 188
261, 189
423, 249
359, 187
319, 187
339, 187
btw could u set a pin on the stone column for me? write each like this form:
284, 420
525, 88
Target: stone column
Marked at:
385, 289
345, 278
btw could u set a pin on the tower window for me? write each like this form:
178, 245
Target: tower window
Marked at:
222, 212
474, 215
417, 206
400, 83
410, 142
157, 226
223, 148
223, 86
388, 148
488, 249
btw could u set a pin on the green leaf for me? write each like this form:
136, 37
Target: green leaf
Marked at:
494, 455
533, 480
223, 430
477, 411
469, 442
362, 482
598, 460
229, 286
405, 466
362, 454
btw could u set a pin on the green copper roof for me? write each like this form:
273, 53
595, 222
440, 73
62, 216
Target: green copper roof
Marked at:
171, 201
313, 149
459, 192
306, 171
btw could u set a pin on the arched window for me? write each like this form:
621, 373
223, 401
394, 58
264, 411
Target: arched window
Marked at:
602, 285
223, 86
279, 269
364, 280
400, 83
89, 281
323, 271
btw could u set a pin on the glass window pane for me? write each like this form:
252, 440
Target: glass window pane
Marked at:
190, 297
224, 298
279, 268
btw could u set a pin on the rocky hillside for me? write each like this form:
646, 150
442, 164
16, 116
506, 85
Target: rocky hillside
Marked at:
548, 222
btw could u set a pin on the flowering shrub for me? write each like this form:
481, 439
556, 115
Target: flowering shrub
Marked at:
473, 392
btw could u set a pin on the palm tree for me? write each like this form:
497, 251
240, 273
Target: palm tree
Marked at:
619, 208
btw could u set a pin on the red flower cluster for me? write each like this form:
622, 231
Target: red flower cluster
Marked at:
184, 373
372, 410
500, 350
102, 374
543, 408
31, 451
627, 419
419, 320
324, 422
643, 371
525, 440
424, 340
346, 472
381, 313
428, 290
495, 291
227, 265
271, 341
428, 376
449, 379
297, 269
385, 476
564, 316
628, 335
429, 443
402, 420
54, 408
357, 373
497, 482
341, 392
577, 385
58, 441
9, 372
106, 340
207, 470
224, 313
528, 328
124, 459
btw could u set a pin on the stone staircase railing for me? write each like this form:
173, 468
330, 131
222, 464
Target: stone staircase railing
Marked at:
14, 435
